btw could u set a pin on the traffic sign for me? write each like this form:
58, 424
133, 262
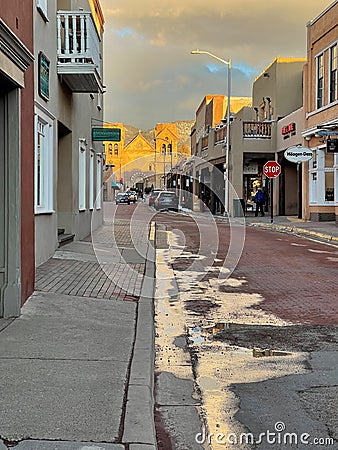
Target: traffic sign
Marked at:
272, 169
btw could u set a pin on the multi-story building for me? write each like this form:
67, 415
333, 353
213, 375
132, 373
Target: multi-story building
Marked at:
144, 161
68, 103
276, 92
320, 175
16, 156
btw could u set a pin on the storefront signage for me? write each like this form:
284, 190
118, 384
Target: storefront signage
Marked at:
250, 168
322, 133
332, 145
289, 130
43, 76
298, 154
106, 134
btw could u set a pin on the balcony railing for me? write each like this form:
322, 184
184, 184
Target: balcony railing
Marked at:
78, 50
220, 135
259, 130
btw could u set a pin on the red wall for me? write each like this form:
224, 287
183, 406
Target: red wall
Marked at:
18, 15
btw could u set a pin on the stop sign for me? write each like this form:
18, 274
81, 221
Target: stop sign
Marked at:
272, 169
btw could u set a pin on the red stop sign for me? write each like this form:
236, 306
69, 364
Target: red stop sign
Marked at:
272, 169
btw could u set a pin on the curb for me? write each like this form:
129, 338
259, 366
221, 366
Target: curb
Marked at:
139, 425
295, 230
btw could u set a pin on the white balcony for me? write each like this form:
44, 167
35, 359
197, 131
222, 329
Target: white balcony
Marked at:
78, 50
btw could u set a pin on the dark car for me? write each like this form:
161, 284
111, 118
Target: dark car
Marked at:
153, 196
166, 200
122, 197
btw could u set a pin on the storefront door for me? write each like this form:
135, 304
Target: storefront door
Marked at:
2, 204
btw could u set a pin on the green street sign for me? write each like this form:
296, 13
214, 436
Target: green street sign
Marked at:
106, 134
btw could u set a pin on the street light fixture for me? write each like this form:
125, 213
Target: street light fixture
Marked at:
226, 172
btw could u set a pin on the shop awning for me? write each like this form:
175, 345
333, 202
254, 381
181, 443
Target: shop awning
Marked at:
114, 185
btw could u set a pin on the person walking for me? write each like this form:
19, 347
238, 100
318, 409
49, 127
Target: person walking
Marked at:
259, 199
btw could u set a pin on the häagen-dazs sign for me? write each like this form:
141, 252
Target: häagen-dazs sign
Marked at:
298, 154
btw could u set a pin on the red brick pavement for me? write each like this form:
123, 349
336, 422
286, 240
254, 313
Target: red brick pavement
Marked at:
296, 277
87, 279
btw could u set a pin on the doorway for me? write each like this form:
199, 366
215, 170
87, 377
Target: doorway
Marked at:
10, 228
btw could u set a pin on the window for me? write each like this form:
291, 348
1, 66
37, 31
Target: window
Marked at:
43, 161
82, 176
42, 8
320, 80
333, 95
91, 180
98, 183
323, 177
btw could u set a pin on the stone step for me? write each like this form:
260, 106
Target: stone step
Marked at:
65, 238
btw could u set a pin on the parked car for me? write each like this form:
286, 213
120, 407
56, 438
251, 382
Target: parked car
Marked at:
153, 195
122, 197
166, 200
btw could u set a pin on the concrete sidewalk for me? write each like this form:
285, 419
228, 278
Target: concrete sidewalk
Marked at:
76, 368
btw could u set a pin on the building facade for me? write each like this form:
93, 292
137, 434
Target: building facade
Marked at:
68, 102
276, 92
16, 156
143, 161
320, 175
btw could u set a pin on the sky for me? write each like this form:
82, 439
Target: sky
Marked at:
150, 75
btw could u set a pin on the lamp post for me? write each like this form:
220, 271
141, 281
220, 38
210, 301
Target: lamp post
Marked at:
226, 173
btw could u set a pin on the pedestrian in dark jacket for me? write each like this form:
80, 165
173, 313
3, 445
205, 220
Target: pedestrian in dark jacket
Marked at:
259, 199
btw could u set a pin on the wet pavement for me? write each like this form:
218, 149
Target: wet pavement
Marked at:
226, 334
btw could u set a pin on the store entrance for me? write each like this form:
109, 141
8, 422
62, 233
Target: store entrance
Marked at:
3, 240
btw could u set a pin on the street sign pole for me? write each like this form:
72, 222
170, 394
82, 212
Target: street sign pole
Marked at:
271, 193
271, 169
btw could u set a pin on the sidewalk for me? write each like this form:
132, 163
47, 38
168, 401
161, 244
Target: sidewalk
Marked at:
76, 368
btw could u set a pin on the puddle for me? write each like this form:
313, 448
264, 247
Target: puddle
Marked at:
201, 313
320, 251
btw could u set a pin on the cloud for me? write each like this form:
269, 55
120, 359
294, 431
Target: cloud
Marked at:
147, 50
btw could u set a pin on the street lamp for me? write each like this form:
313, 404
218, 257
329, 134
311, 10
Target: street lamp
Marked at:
226, 173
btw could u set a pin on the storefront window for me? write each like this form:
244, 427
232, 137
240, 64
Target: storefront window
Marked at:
329, 160
323, 173
329, 186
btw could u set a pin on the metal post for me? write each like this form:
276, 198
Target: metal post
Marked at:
271, 198
227, 148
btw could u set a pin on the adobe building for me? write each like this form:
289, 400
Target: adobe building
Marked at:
140, 161
276, 92
320, 175
68, 103
16, 156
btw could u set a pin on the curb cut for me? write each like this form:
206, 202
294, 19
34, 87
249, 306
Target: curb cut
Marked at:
295, 230
139, 425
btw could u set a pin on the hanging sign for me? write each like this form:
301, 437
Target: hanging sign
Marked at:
43, 76
298, 154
